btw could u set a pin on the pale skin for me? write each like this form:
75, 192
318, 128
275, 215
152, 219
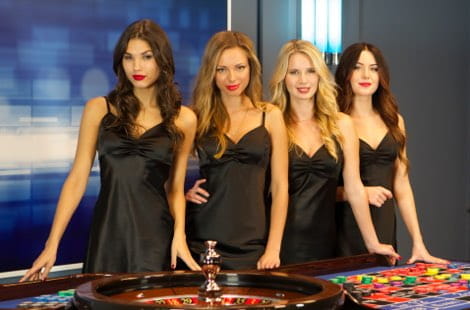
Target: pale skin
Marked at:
372, 129
232, 77
138, 60
301, 82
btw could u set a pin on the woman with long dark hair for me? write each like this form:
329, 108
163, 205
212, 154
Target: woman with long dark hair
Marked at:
143, 137
364, 93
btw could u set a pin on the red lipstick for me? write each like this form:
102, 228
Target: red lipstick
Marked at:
365, 84
232, 87
138, 77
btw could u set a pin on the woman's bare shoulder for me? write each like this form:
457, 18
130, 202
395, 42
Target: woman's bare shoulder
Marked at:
186, 117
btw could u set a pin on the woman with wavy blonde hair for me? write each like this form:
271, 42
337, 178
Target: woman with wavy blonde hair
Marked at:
365, 94
239, 139
322, 146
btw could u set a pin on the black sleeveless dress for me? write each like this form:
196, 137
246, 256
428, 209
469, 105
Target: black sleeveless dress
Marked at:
235, 214
377, 169
132, 227
310, 232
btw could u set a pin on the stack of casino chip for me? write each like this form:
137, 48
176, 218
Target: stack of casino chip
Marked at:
56, 301
422, 277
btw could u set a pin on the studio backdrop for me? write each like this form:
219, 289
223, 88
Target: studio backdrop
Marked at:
54, 56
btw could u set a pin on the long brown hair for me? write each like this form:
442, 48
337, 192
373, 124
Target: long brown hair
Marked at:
168, 96
383, 100
324, 101
207, 101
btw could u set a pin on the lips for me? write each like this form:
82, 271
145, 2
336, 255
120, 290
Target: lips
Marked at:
138, 77
365, 84
303, 90
232, 87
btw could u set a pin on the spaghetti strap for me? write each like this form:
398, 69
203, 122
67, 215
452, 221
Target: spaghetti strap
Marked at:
107, 104
263, 118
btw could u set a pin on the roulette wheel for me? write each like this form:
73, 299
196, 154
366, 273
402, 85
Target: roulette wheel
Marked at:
179, 290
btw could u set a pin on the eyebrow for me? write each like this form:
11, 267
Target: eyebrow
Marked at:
145, 52
360, 63
297, 68
239, 64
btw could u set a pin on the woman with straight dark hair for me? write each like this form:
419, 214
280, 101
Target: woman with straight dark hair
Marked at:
364, 93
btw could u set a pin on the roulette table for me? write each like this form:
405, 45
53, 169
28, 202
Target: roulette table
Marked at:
335, 284
256, 295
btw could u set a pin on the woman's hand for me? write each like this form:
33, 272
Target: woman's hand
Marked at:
179, 248
377, 195
269, 260
197, 194
420, 253
387, 250
42, 265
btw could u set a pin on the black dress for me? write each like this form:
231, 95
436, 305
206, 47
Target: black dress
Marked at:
310, 232
377, 169
132, 227
235, 214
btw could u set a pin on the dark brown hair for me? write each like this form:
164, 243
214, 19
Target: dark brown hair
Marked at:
383, 100
168, 96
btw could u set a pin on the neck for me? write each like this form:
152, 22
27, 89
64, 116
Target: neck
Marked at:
146, 96
362, 106
302, 110
234, 103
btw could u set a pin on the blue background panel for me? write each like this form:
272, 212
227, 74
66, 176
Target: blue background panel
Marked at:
54, 56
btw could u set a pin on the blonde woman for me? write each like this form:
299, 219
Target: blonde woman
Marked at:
239, 140
322, 146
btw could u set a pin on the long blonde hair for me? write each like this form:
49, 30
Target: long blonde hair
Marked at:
207, 101
324, 102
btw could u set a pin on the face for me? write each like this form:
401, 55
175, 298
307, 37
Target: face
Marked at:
232, 72
139, 64
365, 76
301, 78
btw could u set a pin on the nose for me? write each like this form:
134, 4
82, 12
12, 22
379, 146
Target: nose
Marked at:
302, 77
365, 72
136, 64
231, 75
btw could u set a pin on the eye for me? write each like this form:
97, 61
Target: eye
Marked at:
375, 69
220, 70
127, 57
357, 66
293, 72
148, 56
240, 67
311, 70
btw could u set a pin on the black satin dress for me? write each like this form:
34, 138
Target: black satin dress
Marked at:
132, 227
310, 232
377, 169
235, 214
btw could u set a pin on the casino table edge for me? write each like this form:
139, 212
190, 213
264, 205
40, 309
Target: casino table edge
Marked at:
52, 285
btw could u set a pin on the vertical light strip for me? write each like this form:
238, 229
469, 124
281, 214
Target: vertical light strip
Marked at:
307, 11
229, 14
334, 26
321, 25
